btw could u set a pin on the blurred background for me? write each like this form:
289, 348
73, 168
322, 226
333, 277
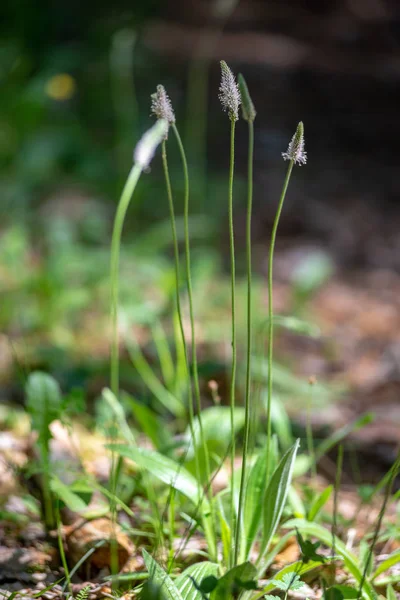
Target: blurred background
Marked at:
76, 80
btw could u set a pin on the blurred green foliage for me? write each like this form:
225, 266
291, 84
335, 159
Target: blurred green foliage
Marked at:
59, 123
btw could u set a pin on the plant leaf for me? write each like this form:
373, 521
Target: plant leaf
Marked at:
275, 496
119, 413
340, 592
296, 325
149, 422
254, 499
298, 567
189, 583
319, 502
390, 561
165, 469
217, 428
161, 578
326, 537
289, 581
242, 577
70, 499
43, 403
390, 593
163, 395
309, 549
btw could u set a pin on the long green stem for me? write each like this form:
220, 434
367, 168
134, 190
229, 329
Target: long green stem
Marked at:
191, 318
309, 431
177, 281
249, 337
47, 496
270, 302
233, 330
178, 300
123, 204
62, 550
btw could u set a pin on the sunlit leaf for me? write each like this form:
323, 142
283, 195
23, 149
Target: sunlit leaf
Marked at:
194, 579
161, 578
275, 496
165, 469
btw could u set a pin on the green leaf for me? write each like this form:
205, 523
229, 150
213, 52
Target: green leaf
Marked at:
175, 475
165, 469
281, 422
43, 403
226, 534
254, 500
166, 360
366, 557
65, 493
163, 395
216, 422
390, 593
340, 592
161, 578
193, 579
149, 422
297, 325
275, 496
333, 593
312, 272
295, 501
119, 413
298, 567
390, 561
289, 581
309, 549
319, 502
242, 577
326, 537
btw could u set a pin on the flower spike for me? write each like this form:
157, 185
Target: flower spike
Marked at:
248, 111
161, 105
229, 92
295, 151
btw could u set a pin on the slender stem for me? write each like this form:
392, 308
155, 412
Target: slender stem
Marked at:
47, 497
249, 336
270, 305
178, 300
392, 476
338, 477
191, 318
123, 204
171, 530
62, 550
177, 281
309, 432
233, 330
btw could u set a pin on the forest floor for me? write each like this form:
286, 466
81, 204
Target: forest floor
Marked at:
358, 353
